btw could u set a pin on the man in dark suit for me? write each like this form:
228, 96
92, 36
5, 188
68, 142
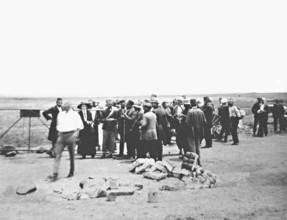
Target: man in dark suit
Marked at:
51, 114
162, 127
195, 122
278, 114
223, 112
121, 126
208, 109
254, 110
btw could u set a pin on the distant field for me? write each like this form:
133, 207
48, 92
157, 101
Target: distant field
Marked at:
19, 134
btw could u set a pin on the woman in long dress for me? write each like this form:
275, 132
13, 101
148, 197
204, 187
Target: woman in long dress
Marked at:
86, 145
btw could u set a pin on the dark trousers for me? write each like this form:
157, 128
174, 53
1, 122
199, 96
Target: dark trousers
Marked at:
109, 140
263, 125
234, 124
65, 139
156, 150
225, 130
52, 149
281, 123
193, 146
146, 146
122, 143
208, 136
256, 121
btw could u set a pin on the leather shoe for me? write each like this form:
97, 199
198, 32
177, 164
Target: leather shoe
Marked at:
206, 146
53, 177
51, 154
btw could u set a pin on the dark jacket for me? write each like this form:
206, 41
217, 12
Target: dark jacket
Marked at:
255, 108
223, 112
195, 122
278, 110
208, 113
52, 114
109, 125
162, 125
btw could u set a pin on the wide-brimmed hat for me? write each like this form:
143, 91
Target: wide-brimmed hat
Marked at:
137, 105
223, 100
206, 99
147, 104
154, 100
186, 102
89, 106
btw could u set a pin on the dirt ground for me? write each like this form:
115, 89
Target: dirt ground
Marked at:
252, 184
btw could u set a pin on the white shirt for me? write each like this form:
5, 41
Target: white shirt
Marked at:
85, 114
59, 108
69, 121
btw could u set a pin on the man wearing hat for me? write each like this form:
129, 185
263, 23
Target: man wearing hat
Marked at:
278, 114
135, 131
254, 110
130, 116
208, 109
148, 134
109, 119
121, 125
51, 114
223, 112
263, 118
86, 145
161, 127
195, 123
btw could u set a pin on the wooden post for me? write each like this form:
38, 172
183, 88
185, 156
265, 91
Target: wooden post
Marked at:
29, 141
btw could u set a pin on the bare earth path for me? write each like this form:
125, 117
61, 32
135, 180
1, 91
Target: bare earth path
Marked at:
252, 184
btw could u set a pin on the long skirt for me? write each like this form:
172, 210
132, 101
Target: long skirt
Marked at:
86, 145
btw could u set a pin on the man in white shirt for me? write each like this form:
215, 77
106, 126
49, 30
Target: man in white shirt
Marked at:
69, 124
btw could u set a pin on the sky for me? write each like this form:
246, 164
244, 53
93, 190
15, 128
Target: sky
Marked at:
121, 48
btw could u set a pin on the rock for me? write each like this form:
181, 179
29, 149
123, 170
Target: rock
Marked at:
123, 191
41, 149
212, 180
172, 184
92, 177
136, 163
185, 172
7, 148
94, 191
72, 196
185, 178
155, 175
84, 196
26, 188
139, 186
147, 164
111, 197
176, 172
113, 183
169, 165
11, 154
82, 183
159, 165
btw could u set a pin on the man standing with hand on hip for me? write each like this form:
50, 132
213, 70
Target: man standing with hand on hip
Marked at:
51, 114
69, 124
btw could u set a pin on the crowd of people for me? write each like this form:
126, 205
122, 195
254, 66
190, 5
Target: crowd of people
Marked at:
145, 127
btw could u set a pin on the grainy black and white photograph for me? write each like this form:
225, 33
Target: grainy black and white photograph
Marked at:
137, 110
